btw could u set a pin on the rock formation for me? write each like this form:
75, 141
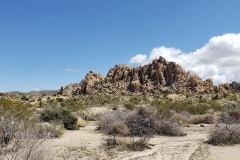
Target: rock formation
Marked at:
235, 86
158, 77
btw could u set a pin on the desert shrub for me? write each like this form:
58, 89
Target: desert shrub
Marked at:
72, 104
15, 109
128, 143
209, 119
225, 136
192, 106
206, 119
81, 122
230, 116
113, 124
21, 139
132, 102
181, 118
132, 129
233, 97
196, 119
60, 116
94, 113
53, 130
168, 128
140, 122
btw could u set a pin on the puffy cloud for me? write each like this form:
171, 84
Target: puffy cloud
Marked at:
139, 59
218, 59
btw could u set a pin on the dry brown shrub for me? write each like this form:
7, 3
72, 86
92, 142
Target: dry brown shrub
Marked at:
182, 118
21, 139
205, 119
81, 122
230, 116
141, 122
168, 128
209, 119
225, 136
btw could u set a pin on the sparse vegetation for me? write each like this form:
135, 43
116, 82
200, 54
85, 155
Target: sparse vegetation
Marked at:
129, 125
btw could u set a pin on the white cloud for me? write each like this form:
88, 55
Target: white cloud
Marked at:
138, 59
71, 70
219, 59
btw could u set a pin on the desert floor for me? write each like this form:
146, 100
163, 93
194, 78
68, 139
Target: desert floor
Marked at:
88, 144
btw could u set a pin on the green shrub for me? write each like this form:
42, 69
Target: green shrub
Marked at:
60, 115
132, 102
186, 106
72, 104
17, 109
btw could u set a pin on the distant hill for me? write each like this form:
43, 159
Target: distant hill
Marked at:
34, 93
160, 76
44, 92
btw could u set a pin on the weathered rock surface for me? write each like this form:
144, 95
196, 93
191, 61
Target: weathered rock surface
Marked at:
235, 86
158, 77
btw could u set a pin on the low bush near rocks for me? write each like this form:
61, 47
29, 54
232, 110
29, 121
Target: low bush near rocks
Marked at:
225, 136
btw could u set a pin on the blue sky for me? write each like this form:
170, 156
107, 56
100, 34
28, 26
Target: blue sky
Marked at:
45, 44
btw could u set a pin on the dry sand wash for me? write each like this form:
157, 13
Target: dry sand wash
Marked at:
87, 144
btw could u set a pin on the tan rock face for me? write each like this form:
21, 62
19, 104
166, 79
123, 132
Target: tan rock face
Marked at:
159, 76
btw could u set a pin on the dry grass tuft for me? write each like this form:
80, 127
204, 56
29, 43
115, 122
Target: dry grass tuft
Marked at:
81, 122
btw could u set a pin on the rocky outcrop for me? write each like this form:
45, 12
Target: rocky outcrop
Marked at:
235, 86
158, 77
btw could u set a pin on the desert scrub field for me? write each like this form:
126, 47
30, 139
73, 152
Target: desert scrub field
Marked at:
123, 115
21, 134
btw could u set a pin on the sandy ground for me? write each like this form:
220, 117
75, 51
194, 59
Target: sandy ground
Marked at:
88, 144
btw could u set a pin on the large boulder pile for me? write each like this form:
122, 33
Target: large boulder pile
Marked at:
160, 76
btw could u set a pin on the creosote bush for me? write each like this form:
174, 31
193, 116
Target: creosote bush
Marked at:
140, 124
225, 136
16, 109
59, 116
